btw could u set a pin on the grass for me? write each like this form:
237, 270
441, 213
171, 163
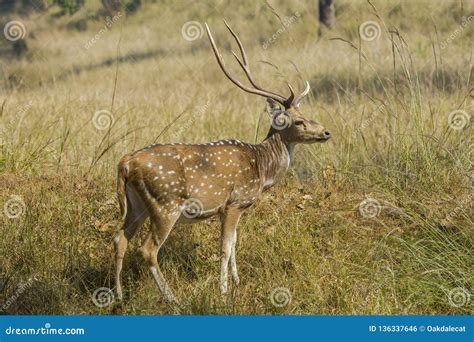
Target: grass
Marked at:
385, 101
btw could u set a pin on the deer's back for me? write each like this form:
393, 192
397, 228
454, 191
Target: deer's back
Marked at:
215, 174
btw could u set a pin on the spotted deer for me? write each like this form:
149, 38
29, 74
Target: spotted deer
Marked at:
174, 183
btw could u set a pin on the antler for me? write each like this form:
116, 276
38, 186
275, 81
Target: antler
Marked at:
305, 92
286, 102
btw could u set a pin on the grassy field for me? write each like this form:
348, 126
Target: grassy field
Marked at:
376, 221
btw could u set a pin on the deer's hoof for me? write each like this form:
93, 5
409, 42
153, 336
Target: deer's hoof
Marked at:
236, 280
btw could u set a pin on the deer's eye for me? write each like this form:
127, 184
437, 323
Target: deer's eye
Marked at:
299, 122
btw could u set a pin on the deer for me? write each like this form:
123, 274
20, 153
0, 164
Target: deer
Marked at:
187, 183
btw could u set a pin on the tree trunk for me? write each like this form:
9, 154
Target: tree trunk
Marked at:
327, 13
20, 48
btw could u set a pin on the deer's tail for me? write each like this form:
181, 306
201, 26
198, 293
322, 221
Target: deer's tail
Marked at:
122, 174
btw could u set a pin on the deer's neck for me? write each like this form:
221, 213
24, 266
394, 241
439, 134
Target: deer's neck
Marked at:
273, 158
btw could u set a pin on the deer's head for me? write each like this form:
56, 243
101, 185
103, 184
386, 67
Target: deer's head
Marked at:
287, 118
293, 126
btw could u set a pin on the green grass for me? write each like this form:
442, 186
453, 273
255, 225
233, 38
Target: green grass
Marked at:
386, 103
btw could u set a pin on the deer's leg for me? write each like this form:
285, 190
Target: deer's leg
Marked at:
233, 263
134, 219
229, 220
160, 228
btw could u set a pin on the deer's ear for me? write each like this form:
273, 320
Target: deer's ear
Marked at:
272, 106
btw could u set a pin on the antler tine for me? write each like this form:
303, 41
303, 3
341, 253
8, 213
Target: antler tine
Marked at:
244, 64
239, 43
246, 69
255, 90
292, 94
305, 92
